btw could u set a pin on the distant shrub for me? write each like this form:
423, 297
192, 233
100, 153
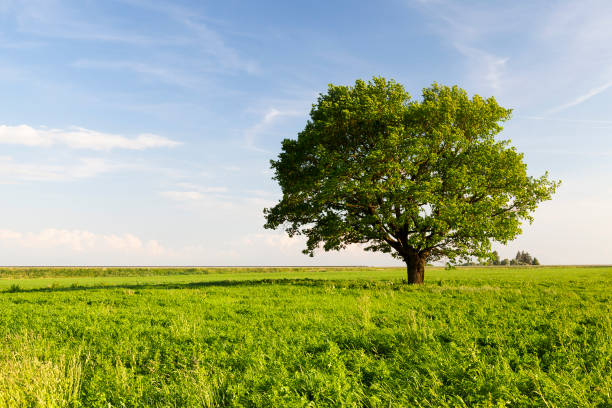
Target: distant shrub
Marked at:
14, 288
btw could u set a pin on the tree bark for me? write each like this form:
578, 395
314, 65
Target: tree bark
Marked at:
415, 266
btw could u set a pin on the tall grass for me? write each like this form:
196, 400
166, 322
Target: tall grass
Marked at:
344, 338
30, 380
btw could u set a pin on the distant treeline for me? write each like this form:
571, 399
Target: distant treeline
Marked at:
521, 258
54, 272
57, 272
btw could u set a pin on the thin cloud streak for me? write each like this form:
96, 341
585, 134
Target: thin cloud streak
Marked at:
582, 98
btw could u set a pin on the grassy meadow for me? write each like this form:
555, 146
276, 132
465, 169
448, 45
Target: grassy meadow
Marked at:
296, 337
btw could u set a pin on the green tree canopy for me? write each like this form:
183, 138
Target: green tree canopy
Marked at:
423, 180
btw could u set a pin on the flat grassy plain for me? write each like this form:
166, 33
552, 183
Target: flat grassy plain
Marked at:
294, 337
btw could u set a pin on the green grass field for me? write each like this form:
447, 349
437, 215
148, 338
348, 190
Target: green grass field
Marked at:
470, 337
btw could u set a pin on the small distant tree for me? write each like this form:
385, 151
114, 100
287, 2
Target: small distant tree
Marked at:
495, 258
513, 262
518, 257
504, 261
535, 261
523, 258
421, 179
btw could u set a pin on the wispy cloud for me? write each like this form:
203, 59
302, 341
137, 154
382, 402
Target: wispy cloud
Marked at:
57, 20
582, 98
79, 138
197, 196
209, 41
265, 123
485, 65
529, 54
52, 19
464, 29
162, 73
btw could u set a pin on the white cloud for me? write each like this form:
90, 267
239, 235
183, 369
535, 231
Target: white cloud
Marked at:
126, 241
12, 171
79, 138
79, 241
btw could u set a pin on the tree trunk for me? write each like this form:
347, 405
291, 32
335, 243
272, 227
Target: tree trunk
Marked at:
415, 265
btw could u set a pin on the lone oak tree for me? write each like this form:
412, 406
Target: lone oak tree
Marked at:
423, 180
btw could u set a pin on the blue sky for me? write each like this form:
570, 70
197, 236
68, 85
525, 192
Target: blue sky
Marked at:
140, 132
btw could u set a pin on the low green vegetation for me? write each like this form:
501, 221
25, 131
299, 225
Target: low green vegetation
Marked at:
341, 337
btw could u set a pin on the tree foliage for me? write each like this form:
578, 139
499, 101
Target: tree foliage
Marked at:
523, 258
421, 179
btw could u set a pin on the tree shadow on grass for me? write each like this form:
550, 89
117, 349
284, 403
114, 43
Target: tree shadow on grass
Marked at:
302, 282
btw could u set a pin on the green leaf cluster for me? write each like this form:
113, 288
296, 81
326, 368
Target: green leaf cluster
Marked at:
424, 178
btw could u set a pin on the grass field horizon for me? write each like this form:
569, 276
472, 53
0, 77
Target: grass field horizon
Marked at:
315, 336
